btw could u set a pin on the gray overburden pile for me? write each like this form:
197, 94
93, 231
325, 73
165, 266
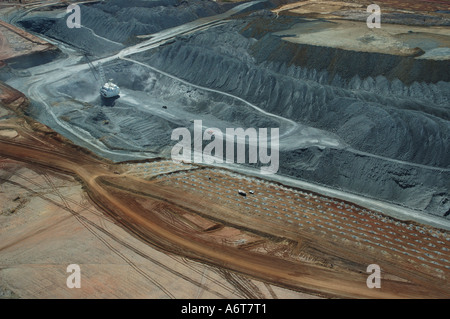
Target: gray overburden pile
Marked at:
390, 114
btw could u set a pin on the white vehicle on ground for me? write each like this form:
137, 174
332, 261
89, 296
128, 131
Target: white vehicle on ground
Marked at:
109, 89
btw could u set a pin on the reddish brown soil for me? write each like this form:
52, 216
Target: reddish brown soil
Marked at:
15, 42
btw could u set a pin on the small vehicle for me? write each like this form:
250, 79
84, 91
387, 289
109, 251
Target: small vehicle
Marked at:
109, 89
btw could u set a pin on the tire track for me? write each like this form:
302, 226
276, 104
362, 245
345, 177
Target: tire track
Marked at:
85, 208
243, 285
129, 246
272, 293
107, 244
187, 263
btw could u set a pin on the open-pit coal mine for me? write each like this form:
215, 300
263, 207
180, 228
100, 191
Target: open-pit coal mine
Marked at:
386, 116
361, 114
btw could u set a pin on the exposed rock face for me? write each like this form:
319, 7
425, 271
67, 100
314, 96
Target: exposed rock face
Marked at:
373, 115
22, 49
348, 64
107, 25
387, 120
391, 113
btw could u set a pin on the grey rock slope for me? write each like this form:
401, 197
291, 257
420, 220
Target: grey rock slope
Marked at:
398, 131
386, 118
106, 26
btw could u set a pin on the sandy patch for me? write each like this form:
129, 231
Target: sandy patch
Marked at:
356, 36
8, 133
